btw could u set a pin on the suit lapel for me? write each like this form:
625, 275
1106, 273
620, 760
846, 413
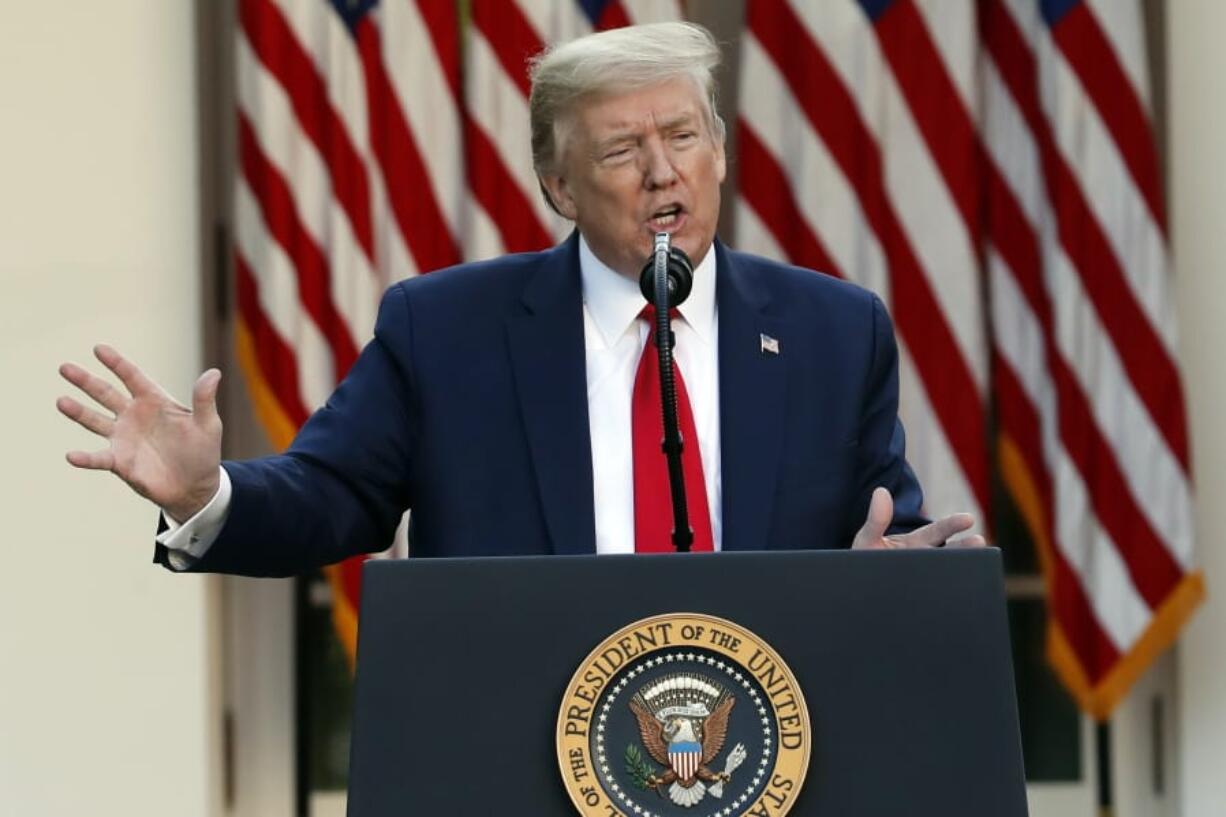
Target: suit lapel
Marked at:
548, 359
752, 386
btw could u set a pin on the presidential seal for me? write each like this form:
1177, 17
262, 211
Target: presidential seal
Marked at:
683, 714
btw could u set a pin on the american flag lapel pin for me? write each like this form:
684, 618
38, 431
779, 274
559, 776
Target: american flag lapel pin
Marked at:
769, 345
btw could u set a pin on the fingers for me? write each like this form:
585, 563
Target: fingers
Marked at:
975, 541
95, 421
880, 514
936, 533
93, 460
204, 395
97, 388
125, 370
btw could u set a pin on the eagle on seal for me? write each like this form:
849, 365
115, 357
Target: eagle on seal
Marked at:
659, 735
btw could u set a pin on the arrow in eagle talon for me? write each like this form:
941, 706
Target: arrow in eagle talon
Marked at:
735, 758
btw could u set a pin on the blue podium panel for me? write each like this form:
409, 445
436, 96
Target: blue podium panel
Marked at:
902, 657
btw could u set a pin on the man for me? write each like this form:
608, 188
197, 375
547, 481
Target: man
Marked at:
504, 402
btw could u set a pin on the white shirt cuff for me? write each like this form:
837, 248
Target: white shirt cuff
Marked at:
189, 541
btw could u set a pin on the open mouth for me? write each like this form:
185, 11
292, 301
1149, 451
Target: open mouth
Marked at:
665, 218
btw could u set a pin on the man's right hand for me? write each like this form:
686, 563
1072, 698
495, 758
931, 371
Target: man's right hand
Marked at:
167, 452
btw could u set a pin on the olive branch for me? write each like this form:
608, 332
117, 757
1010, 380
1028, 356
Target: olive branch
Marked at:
638, 768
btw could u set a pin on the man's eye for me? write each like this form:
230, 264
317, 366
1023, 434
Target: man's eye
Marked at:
616, 154
685, 136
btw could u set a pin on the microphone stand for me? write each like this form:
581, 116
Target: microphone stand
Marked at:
683, 534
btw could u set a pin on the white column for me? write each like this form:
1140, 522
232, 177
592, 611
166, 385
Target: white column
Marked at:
108, 686
1197, 63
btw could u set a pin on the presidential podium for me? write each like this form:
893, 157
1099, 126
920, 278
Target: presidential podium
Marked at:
832, 683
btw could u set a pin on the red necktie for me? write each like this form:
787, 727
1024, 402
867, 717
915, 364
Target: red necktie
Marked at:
653, 508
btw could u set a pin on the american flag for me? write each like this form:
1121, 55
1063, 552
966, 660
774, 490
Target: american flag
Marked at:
990, 169
363, 159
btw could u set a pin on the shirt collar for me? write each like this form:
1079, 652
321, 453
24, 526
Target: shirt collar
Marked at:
615, 302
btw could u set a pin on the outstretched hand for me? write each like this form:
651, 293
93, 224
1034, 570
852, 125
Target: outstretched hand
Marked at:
167, 452
872, 535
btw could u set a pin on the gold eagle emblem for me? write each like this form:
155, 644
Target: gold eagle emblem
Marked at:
683, 723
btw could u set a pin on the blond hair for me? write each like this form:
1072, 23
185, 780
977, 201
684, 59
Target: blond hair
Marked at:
612, 61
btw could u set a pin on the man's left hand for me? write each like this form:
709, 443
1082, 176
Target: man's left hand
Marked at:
872, 535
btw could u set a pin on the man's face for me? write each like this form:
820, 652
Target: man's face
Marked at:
637, 163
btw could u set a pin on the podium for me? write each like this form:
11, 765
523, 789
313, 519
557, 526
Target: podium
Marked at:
902, 658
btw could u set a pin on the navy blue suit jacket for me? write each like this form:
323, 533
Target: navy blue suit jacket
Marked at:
470, 407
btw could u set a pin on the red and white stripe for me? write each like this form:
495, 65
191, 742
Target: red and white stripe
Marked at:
362, 160
838, 173
917, 153
685, 764
350, 176
1085, 334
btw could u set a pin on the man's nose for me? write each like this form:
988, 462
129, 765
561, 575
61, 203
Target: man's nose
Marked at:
659, 171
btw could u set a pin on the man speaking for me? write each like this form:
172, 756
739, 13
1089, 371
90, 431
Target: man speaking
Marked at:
513, 404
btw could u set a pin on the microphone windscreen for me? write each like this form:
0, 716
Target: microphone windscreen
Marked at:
680, 278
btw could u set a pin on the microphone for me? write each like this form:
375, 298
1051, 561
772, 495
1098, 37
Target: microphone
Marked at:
665, 282
678, 268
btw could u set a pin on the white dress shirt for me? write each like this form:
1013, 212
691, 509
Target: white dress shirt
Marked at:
614, 338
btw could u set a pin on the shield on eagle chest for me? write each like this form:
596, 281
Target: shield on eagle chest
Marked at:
685, 758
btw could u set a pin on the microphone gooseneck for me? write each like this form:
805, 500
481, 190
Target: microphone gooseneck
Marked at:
666, 282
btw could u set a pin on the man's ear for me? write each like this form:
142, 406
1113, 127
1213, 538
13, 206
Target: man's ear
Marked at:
557, 193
